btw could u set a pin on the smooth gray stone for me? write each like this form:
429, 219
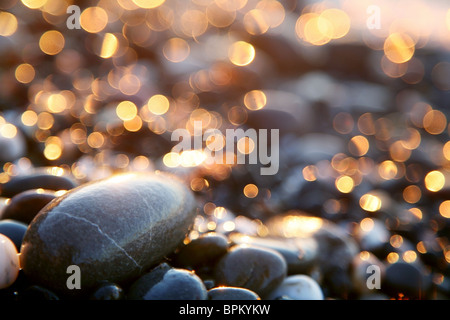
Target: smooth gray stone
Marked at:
12, 148
26, 205
298, 287
301, 255
166, 283
38, 180
232, 293
258, 269
336, 248
113, 229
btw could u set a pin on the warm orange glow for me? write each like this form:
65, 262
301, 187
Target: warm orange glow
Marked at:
344, 184
255, 100
94, 19
25, 72
251, 191
241, 53
434, 181
370, 202
399, 48
52, 42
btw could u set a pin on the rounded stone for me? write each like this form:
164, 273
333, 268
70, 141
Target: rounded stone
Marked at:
9, 262
405, 280
107, 291
14, 230
113, 229
300, 254
37, 293
232, 293
206, 249
298, 287
26, 205
167, 283
254, 268
36, 181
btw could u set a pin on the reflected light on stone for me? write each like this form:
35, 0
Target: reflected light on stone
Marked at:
344, 184
399, 47
300, 226
387, 170
176, 50
444, 209
434, 181
255, 100
241, 53
251, 190
52, 42
370, 202
109, 46
412, 194
25, 72
94, 19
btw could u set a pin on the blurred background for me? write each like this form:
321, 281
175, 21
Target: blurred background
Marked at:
359, 89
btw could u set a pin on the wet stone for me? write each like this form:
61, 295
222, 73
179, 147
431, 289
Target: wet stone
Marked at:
405, 280
254, 268
26, 205
36, 181
374, 238
113, 229
14, 230
37, 293
9, 262
300, 254
167, 283
336, 248
205, 250
232, 293
107, 291
298, 287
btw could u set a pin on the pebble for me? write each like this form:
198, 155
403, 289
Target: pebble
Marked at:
9, 262
232, 293
12, 148
108, 291
298, 287
374, 238
254, 268
405, 280
26, 205
206, 249
36, 181
14, 230
37, 293
300, 254
113, 229
336, 248
167, 283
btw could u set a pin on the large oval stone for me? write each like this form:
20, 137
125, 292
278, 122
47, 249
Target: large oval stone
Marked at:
113, 230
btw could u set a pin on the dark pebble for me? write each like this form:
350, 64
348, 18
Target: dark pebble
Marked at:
232, 293
113, 229
300, 254
404, 280
36, 181
26, 205
37, 293
206, 249
108, 291
167, 283
257, 269
14, 230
